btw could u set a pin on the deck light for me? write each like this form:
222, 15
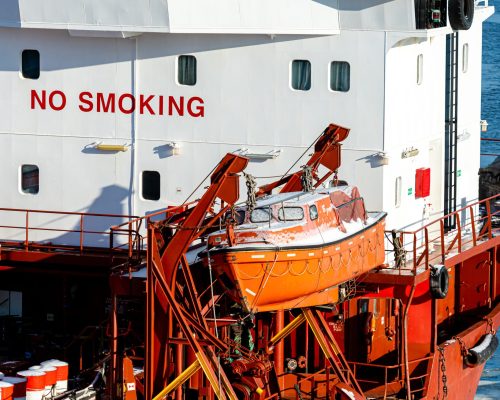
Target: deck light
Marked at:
111, 147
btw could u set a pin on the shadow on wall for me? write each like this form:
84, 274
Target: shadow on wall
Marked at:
375, 160
111, 200
10, 15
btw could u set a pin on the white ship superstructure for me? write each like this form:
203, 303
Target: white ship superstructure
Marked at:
123, 107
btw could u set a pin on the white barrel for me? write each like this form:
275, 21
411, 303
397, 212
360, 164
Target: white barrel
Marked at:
50, 380
62, 374
35, 384
19, 386
6, 390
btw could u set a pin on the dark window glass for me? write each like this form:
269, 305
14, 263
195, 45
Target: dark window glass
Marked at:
31, 64
151, 185
313, 212
30, 179
301, 75
186, 70
340, 76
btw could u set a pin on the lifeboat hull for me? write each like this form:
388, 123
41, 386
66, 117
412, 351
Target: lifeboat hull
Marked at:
276, 278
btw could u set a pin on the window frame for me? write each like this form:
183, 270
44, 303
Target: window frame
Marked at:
315, 207
36, 76
290, 82
330, 66
282, 214
267, 209
420, 69
143, 186
25, 189
465, 58
177, 69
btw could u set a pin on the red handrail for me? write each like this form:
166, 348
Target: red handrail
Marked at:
421, 241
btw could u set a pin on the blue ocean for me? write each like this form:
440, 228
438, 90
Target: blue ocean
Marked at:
489, 387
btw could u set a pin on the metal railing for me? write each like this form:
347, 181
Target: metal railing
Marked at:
134, 231
357, 366
433, 244
23, 233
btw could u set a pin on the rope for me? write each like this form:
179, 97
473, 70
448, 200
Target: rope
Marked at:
307, 179
263, 283
251, 185
302, 155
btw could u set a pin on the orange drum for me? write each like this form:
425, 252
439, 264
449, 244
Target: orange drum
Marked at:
35, 384
19, 386
61, 374
6, 390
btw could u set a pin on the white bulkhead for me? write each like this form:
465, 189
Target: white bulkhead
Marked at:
109, 75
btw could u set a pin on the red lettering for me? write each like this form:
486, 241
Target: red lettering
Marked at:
132, 103
199, 110
178, 107
145, 103
52, 103
160, 106
85, 98
41, 102
109, 104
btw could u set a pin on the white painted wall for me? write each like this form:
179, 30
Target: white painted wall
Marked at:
244, 81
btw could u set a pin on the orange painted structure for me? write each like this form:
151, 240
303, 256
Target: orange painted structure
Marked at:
406, 329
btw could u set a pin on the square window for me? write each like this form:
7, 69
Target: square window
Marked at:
301, 75
30, 176
186, 70
340, 76
30, 64
151, 185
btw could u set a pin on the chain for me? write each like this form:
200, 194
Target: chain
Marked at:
444, 379
463, 348
307, 178
251, 185
490, 324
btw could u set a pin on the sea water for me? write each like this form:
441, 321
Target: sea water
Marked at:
489, 386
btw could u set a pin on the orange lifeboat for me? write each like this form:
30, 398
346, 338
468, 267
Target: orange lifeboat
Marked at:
297, 249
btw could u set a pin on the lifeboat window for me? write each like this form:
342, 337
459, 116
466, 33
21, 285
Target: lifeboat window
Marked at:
313, 212
30, 176
340, 76
151, 185
301, 75
30, 64
291, 214
260, 215
186, 70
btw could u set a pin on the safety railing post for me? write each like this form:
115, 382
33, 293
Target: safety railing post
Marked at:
488, 215
473, 225
441, 228
414, 252
459, 232
426, 237
26, 242
81, 233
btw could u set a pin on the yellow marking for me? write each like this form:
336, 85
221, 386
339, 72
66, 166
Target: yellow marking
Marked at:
258, 255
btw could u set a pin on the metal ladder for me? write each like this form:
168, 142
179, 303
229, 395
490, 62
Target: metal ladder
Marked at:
451, 121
